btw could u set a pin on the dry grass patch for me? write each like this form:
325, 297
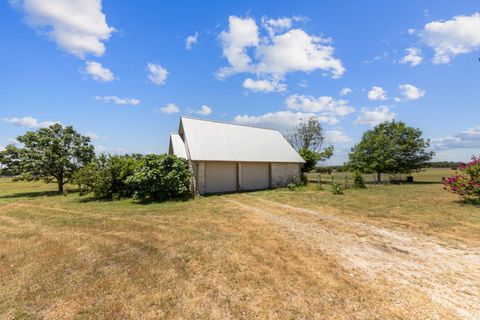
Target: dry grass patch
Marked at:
63, 257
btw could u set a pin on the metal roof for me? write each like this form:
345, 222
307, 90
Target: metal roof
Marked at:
217, 141
177, 147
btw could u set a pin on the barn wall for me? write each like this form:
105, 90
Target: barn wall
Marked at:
199, 172
281, 175
285, 173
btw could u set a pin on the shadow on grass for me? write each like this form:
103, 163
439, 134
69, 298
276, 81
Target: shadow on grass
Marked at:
469, 202
91, 198
31, 194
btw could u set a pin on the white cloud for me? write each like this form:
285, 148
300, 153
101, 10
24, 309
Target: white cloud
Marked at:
277, 53
191, 40
280, 120
303, 83
204, 110
469, 138
345, 91
336, 136
449, 38
94, 136
117, 100
411, 31
170, 108
242, 33
109, 150
264, 85
157, 74
410, 92
375, 116
377, 93
413, 57
295, 51
98, 72
78, 27
274, 26
324, 105
29, 122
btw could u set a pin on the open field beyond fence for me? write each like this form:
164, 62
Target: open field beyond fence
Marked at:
431, 175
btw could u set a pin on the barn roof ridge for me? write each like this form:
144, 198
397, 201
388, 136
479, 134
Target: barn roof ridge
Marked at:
225, 122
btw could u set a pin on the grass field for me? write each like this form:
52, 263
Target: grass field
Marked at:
387, 252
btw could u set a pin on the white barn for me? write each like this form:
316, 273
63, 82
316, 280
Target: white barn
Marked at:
229, 157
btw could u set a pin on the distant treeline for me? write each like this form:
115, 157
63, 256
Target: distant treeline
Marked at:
433, 164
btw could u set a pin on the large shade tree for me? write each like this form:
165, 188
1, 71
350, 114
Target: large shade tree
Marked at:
390, 147
52, 154
308, 139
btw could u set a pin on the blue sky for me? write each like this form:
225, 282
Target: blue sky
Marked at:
123, 72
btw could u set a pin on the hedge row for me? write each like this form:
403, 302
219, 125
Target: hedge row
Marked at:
150, 177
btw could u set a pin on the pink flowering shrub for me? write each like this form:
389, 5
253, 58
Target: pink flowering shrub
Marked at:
467, 183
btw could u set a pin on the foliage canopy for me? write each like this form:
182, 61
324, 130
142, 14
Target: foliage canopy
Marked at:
390, 147
51, 154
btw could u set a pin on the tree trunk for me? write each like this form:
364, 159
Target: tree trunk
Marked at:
60, 184
379, 178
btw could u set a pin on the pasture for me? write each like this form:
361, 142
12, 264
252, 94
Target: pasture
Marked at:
386, 252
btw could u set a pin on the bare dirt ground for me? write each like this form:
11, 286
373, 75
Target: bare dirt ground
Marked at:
448, 275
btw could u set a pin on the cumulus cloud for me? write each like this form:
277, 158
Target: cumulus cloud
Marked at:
204, 110
29, 122
274, 26
410, 92
295, 51
345, 91
157, 74
191, 40
452, 37
469, 138
170, 108
372, 117
377, 93
324, 104
117, 100
282, 50
242, 34
336, 136
97, 72
413, 57
264, 85
280, 120
78, 27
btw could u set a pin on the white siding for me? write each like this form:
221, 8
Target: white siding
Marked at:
254, 175
220, 177
285, 173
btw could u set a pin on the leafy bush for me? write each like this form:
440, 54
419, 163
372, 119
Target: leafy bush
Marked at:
107, 177
160, 177
358, 181
291, 186
467, 183
336, 187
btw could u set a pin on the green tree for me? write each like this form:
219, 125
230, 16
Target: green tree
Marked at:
160, 177
51, 154
106, 176
390, 147
308, 139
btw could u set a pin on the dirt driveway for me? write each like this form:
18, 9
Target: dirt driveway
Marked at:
449, 276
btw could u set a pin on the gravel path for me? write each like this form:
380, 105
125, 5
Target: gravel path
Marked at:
449, 276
